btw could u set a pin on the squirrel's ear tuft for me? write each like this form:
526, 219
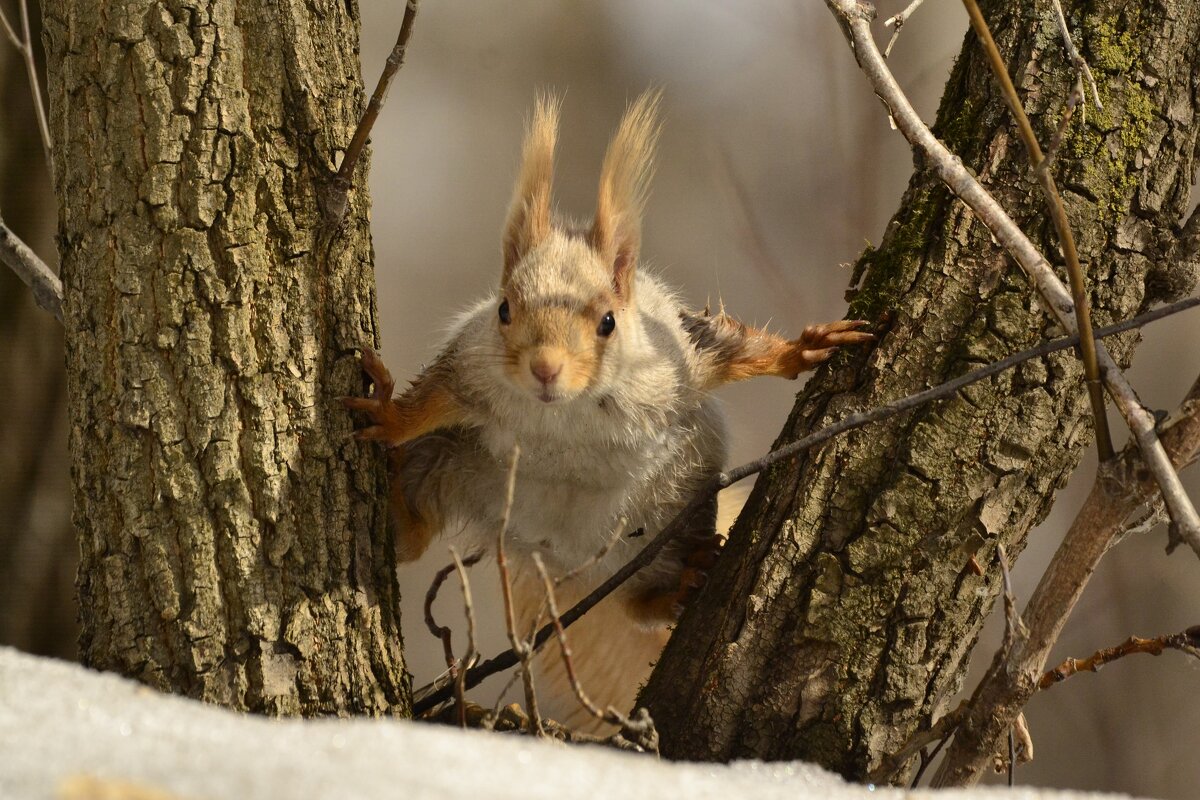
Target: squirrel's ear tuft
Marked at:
624, 183
529, 213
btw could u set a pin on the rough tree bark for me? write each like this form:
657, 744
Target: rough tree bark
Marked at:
234, 542
843, 611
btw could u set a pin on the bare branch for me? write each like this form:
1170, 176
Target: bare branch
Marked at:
1058, 213
1073, 99
1081, 66
472, 651
1186, 642
47, 288
522, 649
339, 187
898, 22
441, 632
855, 19
508, 659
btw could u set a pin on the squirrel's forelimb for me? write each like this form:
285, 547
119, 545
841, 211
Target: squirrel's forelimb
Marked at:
427, 405
728, 350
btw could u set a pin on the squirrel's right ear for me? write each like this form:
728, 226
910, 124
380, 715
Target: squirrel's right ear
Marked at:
529, 213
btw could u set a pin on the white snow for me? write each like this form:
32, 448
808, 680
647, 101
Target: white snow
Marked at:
65, 730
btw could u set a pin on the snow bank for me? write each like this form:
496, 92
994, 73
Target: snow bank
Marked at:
67, 732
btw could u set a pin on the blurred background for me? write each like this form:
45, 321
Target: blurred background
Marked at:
776, 167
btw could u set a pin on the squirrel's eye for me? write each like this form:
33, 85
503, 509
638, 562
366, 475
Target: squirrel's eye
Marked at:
505, 316
607, 325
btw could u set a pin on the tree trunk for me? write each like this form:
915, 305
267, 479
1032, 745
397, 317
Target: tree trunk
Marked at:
843, 611
233, 538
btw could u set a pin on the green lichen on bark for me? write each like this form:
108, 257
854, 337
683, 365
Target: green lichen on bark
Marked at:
844, 608
234, 543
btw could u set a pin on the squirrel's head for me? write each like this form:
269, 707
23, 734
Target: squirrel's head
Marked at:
566, 294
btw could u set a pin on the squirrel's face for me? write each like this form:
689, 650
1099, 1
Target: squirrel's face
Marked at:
566, 295
557, 316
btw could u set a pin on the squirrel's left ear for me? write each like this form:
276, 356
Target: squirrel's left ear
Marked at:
624, 183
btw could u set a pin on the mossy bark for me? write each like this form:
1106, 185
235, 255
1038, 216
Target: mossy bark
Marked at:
845, 607
233, 538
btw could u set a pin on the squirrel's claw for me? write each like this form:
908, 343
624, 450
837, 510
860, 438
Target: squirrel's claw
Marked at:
818, 343
378, 404
372, 364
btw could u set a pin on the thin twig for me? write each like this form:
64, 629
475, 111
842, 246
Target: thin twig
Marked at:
443, 631
47, 288
641, 730
1077, 61
855, 20
339, 187
8, 29
36, 90
1012, 758
1058, 213
1186, 641
472, 650
927, 759
508, 659
898, 21
521, 648
24, 45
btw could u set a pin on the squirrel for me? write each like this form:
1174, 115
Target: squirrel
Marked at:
604, 379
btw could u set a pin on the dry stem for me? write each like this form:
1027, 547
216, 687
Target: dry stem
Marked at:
443, 631
472, 650
1122, 490
938, 732
898, 22
1077, 61
641, 730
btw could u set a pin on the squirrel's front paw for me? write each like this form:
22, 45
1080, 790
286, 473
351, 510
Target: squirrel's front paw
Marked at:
818, 342
378, 405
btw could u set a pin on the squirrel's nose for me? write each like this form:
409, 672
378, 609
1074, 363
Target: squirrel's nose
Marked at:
545, 369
